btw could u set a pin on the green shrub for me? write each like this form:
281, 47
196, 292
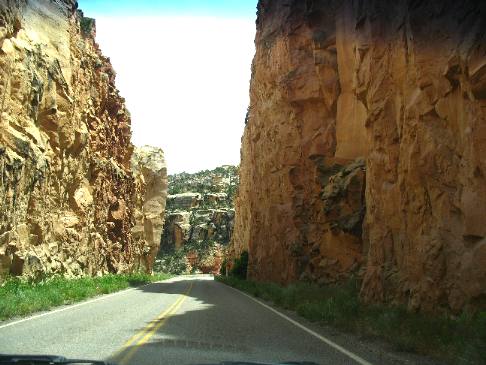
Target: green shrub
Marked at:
87, 25
240, 266
222, 271
172, 262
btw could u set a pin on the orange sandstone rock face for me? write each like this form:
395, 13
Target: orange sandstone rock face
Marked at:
299, 209
365, 149
66, 185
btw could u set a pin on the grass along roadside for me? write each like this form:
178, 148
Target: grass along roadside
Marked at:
461, 340
19, 297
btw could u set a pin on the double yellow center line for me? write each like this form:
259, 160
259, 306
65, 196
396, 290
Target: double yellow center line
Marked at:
144, 335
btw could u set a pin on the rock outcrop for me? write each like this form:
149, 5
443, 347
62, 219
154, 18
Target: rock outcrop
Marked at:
66, 185
364, 151
150, 170
197, 217
184, 226
200, 216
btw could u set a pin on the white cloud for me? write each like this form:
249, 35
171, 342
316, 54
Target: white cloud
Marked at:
185, 80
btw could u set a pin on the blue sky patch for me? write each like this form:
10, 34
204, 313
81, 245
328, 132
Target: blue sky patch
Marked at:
217, 8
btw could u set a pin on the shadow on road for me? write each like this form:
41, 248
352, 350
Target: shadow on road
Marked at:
216, 324
163, 287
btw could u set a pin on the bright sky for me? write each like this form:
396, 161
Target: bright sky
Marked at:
183, 67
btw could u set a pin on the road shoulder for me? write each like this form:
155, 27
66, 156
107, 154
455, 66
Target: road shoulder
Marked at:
372, 350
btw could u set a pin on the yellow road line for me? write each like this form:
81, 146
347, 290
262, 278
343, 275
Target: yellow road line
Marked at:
148, 327
144, 335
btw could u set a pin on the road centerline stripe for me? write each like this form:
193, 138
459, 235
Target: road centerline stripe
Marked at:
146, 333
327, 341
149, 326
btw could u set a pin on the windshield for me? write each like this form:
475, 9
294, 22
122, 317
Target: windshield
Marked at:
242, 182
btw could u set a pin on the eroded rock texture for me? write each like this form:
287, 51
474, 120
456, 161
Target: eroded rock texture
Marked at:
365, 149
200, 208
199, 220
66, 186
150, 170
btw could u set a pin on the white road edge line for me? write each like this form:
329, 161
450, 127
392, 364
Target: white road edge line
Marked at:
334, 345
101, 297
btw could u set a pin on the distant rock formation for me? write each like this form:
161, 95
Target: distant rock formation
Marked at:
199, 218
67, 192
150, 170
364, 151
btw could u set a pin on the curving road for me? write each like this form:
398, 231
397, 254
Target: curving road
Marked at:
185, 320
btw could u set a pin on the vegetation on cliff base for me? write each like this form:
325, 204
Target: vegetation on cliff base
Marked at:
20, 297
460, 340
240, 266
175, 261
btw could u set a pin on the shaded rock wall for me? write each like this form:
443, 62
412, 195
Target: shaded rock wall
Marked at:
400, 86
66, 187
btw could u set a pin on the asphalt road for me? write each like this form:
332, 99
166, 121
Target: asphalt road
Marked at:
186, 320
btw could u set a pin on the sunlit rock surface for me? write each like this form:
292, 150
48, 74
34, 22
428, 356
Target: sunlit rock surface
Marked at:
365, 149
150, 170
66, 186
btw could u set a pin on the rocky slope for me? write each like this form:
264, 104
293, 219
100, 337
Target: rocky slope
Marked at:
199, 219
366, 136
66, 184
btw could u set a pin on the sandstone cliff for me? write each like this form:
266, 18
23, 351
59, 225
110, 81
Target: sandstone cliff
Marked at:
366, 136
66, 185
150, 170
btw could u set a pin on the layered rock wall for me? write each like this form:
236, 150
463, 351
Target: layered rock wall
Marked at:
199, 220
188, 225
365, 149
200, 208
66, 186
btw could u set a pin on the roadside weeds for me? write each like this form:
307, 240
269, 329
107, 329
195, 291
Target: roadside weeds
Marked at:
460, 340
19, 297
